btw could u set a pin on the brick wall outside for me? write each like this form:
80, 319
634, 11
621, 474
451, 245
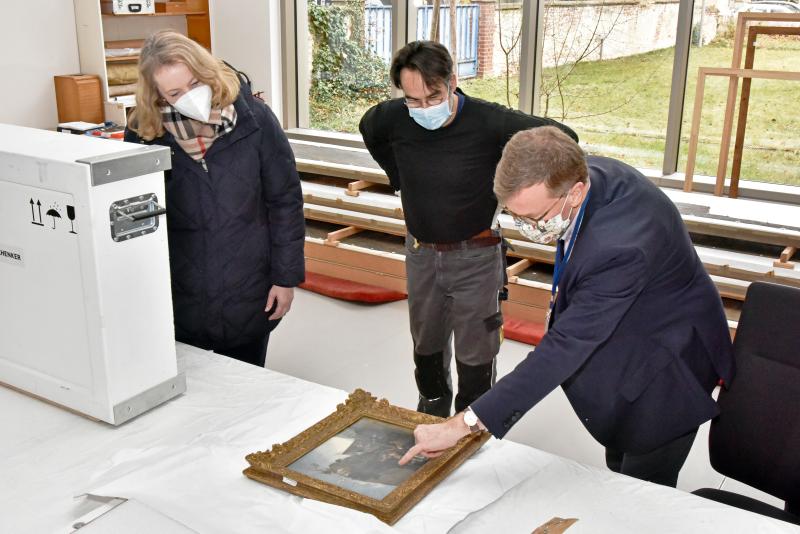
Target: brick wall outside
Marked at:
486, 30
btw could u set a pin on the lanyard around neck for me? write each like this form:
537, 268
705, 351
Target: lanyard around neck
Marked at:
562, 257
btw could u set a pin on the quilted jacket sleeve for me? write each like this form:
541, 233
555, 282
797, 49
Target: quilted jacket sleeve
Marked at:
284, 199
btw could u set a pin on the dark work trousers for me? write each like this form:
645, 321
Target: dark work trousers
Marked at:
454, 295
254, 353
660, 466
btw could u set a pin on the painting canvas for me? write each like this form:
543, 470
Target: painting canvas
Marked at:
363, 458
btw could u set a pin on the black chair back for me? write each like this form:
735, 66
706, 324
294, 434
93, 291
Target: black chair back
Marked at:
756, 438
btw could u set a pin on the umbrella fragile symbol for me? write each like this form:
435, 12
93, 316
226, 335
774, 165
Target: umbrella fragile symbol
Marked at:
52, 212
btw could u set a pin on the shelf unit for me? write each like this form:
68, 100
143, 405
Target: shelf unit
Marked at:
97, 31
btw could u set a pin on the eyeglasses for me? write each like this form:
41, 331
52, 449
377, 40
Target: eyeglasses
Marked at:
430, 101
533, 221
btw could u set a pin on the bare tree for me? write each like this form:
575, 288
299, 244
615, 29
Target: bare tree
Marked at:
434, 35
435, 23
454, 32
508, 45
573, 43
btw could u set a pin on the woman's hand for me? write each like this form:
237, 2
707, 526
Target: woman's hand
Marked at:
282, 298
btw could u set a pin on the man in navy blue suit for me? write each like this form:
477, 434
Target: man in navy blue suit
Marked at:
637, 336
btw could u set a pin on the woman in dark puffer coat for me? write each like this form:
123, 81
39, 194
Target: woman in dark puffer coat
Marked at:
234, 204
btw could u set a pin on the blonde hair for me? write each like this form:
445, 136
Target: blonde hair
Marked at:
543, 154
168, 47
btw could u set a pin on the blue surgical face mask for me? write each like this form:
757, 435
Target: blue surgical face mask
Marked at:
433, 117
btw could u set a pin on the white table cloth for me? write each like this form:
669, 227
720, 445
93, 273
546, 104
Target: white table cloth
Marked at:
185, 460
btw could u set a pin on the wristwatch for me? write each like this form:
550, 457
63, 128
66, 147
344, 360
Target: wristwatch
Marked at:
471, 420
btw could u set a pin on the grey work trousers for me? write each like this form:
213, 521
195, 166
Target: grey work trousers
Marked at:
455, 293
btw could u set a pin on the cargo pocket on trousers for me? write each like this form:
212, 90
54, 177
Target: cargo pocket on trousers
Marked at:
493, 322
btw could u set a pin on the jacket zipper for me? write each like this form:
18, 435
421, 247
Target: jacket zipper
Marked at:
202, 162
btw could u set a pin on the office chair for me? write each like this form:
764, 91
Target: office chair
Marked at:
756, 437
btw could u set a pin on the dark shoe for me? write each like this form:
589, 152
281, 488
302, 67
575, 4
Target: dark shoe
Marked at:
435, 393
473, 381
439, 407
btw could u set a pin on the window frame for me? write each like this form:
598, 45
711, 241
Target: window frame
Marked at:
296, 83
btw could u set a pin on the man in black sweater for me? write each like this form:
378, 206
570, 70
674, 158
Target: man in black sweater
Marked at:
439, 148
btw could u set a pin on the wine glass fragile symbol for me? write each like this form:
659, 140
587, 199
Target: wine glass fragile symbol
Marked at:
71, 217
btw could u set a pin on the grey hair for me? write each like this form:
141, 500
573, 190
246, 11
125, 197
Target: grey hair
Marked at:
543, 154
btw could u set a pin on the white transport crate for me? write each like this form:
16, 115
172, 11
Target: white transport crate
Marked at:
85, 299
133, 7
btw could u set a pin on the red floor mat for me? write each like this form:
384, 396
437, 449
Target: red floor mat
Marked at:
523, 331
515, 329
348, 290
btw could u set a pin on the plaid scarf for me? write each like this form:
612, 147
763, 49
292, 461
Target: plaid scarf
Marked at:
196, 137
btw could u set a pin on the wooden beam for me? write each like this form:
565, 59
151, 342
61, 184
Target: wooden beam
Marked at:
363, 258
695, 131
748, 16
744, 107
744, 100
339, 170
353, 273
761, 234
334, 238
342, 203
354, 187
752, 73
353, 219
513, 270
784, 262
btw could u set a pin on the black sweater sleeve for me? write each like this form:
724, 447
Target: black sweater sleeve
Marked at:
515, 121
374, 128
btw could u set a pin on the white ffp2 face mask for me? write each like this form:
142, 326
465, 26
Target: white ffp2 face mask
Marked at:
195, 104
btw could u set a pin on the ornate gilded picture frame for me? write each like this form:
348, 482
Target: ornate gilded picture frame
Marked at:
350, 459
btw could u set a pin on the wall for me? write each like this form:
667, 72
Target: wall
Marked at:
609, 29
37, 41
246, 34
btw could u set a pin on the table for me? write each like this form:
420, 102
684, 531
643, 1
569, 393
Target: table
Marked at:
185, 458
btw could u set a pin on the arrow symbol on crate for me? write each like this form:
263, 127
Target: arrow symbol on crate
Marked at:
33, 213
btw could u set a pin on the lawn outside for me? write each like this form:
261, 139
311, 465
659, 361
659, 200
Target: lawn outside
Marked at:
619, 109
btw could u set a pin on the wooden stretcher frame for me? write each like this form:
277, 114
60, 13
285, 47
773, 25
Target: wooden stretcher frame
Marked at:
744, 100
734, 73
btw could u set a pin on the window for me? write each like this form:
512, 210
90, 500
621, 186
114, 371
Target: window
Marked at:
612, 70
487, 42
345, 68
606, 71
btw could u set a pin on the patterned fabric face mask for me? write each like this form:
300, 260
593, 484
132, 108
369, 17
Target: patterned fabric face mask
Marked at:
544, 232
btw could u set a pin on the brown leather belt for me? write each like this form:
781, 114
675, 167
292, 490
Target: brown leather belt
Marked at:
487, 238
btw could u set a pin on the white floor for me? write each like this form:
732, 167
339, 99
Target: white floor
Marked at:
349, 346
